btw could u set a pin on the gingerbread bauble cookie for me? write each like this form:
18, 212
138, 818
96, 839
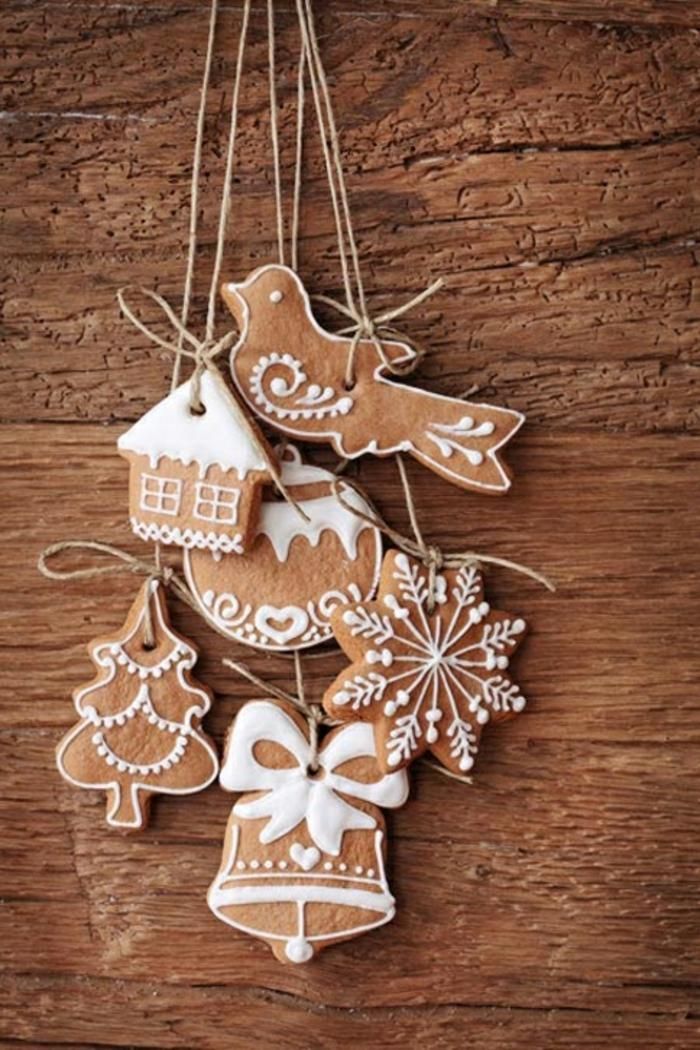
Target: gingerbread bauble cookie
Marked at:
294, 374
280, 594
196, 475
303, 859
429, 670
139, 733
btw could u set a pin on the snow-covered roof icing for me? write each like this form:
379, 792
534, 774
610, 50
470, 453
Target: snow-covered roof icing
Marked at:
220, 435
281, 523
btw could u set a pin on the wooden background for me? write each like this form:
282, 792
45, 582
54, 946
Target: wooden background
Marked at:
541, 155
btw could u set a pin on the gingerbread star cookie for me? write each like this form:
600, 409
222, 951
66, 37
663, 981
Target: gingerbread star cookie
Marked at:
428, 670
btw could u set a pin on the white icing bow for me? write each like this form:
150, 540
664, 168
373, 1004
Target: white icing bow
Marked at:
293, 795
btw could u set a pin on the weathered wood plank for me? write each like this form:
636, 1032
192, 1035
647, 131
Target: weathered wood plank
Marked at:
548, 170
611, 12
606, 342
157, 1015
421, 86
581, 818
96, 203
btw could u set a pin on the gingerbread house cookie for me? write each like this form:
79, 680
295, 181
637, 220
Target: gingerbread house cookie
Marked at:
196, 476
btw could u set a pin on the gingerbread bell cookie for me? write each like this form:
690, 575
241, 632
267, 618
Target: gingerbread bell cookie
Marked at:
197, 467
139, 732
429, 664
308, 558
293, 374
304, 853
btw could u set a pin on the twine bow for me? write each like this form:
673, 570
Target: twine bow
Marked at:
292, 795
202, 351
379, 330
432, 557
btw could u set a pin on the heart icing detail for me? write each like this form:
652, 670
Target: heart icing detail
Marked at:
281, 625
305, 858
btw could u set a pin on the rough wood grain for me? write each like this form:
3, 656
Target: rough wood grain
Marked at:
582, 817
561, 167
610, 12
543, 157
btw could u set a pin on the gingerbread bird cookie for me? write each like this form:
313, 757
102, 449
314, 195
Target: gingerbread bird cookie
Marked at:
292, 374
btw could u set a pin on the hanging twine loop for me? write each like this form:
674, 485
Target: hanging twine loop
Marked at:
378, 331
432, 557
121, 562
203, 353
314, 713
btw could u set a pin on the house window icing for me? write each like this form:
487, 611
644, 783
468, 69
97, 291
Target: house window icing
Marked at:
160, 495
216, 503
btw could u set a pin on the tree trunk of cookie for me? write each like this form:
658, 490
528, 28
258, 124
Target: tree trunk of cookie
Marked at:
123, 808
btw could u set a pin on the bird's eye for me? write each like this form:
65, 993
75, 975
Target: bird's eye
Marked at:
277, 296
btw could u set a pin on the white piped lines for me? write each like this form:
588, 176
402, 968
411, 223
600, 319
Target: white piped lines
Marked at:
152, 768
187, 538
145, 671
316, 402
433, 674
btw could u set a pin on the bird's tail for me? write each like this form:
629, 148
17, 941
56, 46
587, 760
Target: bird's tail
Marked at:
459, 440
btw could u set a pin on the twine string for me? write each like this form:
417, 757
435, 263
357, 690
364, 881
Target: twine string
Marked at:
376, 330
313, 713
274, 133
312, 64
149, 636
194, 191
426, 553
228, 172
299, 158
122, 562
203, 353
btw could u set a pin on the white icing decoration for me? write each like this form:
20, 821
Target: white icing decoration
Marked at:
282, 523
463, 429
160, 495
284, 418
152, 768
271, 621
369, 893
219, 436
141, 703
292, 795
188, 538
315, 399
292, 625
307, 859
433, 660
216, 503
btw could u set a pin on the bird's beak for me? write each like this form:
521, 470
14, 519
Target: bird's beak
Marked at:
234, 300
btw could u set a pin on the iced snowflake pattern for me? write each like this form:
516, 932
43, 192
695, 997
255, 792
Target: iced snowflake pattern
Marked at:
428, 680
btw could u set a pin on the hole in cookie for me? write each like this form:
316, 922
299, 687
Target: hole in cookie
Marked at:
349, 384
148, 646
198, 410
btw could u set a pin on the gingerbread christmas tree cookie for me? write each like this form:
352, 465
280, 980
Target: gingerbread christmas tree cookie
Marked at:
139, 732
429, 666
196, 470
